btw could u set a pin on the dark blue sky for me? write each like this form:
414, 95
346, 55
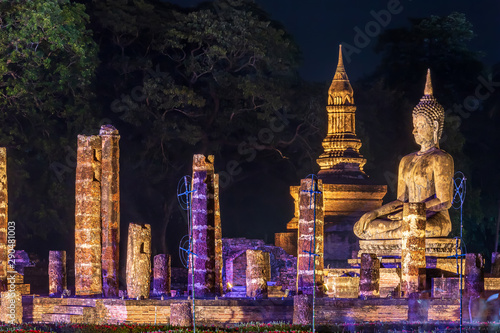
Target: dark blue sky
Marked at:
319, 26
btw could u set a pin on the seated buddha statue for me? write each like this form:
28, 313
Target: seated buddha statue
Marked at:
424, 176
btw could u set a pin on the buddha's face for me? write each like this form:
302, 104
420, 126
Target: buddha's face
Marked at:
423, 131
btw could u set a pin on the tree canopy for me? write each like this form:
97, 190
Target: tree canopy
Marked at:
47, 63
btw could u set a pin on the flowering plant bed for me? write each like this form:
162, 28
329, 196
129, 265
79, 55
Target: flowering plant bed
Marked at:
448, 327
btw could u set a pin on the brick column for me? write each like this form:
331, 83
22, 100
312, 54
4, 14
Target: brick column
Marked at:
219, 289
474, 275
138, 260
57, 273
369, 276
110, 209
258, 273
413, 248
88, 280
302, 309
180, 314
4, 208
161, 275
204, 221
307, 202
11, 310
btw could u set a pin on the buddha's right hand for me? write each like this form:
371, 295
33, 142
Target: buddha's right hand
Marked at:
366, 219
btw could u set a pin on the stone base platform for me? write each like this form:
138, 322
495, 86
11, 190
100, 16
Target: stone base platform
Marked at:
231, 311
434, 247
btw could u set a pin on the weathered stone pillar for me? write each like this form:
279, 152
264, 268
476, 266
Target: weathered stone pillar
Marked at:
203, 221
11, 310
302, 309
495, 264
4, 213
474, 275
219, 289
311, 211
181, 314
161, 275
258, 273
369, 276
88, 279
57, 273
138, 260
110, 209
413, 248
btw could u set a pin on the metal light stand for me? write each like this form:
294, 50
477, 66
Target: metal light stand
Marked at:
459, 182
184, 197
312, 252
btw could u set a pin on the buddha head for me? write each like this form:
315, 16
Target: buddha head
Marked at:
428, 117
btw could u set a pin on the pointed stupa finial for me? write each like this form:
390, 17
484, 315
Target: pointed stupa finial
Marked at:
428, 83
341, 61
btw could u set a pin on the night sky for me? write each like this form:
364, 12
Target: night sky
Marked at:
319, 26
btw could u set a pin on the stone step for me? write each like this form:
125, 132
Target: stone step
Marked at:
61, 318
70, 309
236, 294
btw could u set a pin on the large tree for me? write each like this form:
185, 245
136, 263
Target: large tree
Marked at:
47, 61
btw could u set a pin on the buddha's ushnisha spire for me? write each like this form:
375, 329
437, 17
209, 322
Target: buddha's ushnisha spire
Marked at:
429, 107
428, 83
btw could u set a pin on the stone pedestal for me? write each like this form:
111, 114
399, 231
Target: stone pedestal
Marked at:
258, 273
287, 241
57, 273
434, 247
11, 310
413, 248
161, 275
4, 199
88, 279
204, 222
310, 236
181, 314
302, 309
369, 276
138, 260
110, 209
473, 275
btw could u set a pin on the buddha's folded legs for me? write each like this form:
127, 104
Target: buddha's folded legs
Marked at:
438, 225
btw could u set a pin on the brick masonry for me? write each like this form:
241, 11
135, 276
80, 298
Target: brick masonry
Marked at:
57, 272
4, 208
283, 265
231, 311
110, 209
88, 279
138, 260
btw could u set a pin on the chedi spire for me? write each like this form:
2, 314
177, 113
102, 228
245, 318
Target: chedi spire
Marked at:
341, 158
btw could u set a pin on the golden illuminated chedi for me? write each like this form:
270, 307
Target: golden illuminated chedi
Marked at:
341, 157
424, 176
